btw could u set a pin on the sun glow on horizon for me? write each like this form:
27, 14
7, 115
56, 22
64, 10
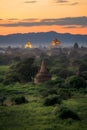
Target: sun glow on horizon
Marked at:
21, 16
12, 30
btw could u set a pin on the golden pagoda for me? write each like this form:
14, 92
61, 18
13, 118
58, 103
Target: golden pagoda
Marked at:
28, 45
55, 43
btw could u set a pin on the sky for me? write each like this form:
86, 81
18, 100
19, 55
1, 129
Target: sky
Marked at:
23, 16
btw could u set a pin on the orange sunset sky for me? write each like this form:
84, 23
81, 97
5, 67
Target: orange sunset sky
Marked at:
23, 16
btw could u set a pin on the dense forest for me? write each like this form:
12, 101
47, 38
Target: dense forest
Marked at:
59, 103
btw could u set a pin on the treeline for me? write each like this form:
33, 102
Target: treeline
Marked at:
63, 73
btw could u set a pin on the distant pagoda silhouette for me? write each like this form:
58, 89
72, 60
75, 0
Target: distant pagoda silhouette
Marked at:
43, 74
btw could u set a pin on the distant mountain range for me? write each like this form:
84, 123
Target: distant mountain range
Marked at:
42, 38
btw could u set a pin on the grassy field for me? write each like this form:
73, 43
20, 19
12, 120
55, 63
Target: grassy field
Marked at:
34, 115
4, 68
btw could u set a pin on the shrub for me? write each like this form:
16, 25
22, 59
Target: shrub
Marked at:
64, 94
23, 72
2, 99
83, 67
64, 73
10, 79
84, 75
65, 113
52, 100
58, 82
48, 92
1, 79
75, 82
19, 100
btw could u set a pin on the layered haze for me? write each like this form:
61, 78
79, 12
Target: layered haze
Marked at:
42, 38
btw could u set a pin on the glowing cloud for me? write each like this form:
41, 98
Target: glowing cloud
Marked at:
79, 21
31, 1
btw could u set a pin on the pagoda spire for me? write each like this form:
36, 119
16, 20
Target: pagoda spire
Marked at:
43, 67
43, 74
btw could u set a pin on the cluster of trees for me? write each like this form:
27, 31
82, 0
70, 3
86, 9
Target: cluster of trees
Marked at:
23, 72
8, 59
62, 66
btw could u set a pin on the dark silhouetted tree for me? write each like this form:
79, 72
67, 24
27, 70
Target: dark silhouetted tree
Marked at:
76, 46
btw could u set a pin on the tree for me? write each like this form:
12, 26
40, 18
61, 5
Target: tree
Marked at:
66, 113
83, 67
64, 73
75, 82
23, 71
76, 45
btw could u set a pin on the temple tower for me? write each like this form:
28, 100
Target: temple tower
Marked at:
28, 45
43, 74
55, 43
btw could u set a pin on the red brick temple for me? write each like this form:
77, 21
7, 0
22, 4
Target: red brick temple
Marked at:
43, 74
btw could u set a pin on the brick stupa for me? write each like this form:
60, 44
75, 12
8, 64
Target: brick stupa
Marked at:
43, 74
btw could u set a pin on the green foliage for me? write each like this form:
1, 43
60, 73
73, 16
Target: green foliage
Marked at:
47, 92
56, 82
19, 100
5, 59
84, 75
75, 82
65, 113
34, 115
1, 79
52, 100
64, 73
83, 67
65, 94
3, 70
11, 78
23, 71
2, 99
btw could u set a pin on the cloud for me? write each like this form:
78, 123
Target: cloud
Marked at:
61, 1
75, 3
71, 26
12, 19
32, 19
66, 2
81, 21
67, 21
31, 1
